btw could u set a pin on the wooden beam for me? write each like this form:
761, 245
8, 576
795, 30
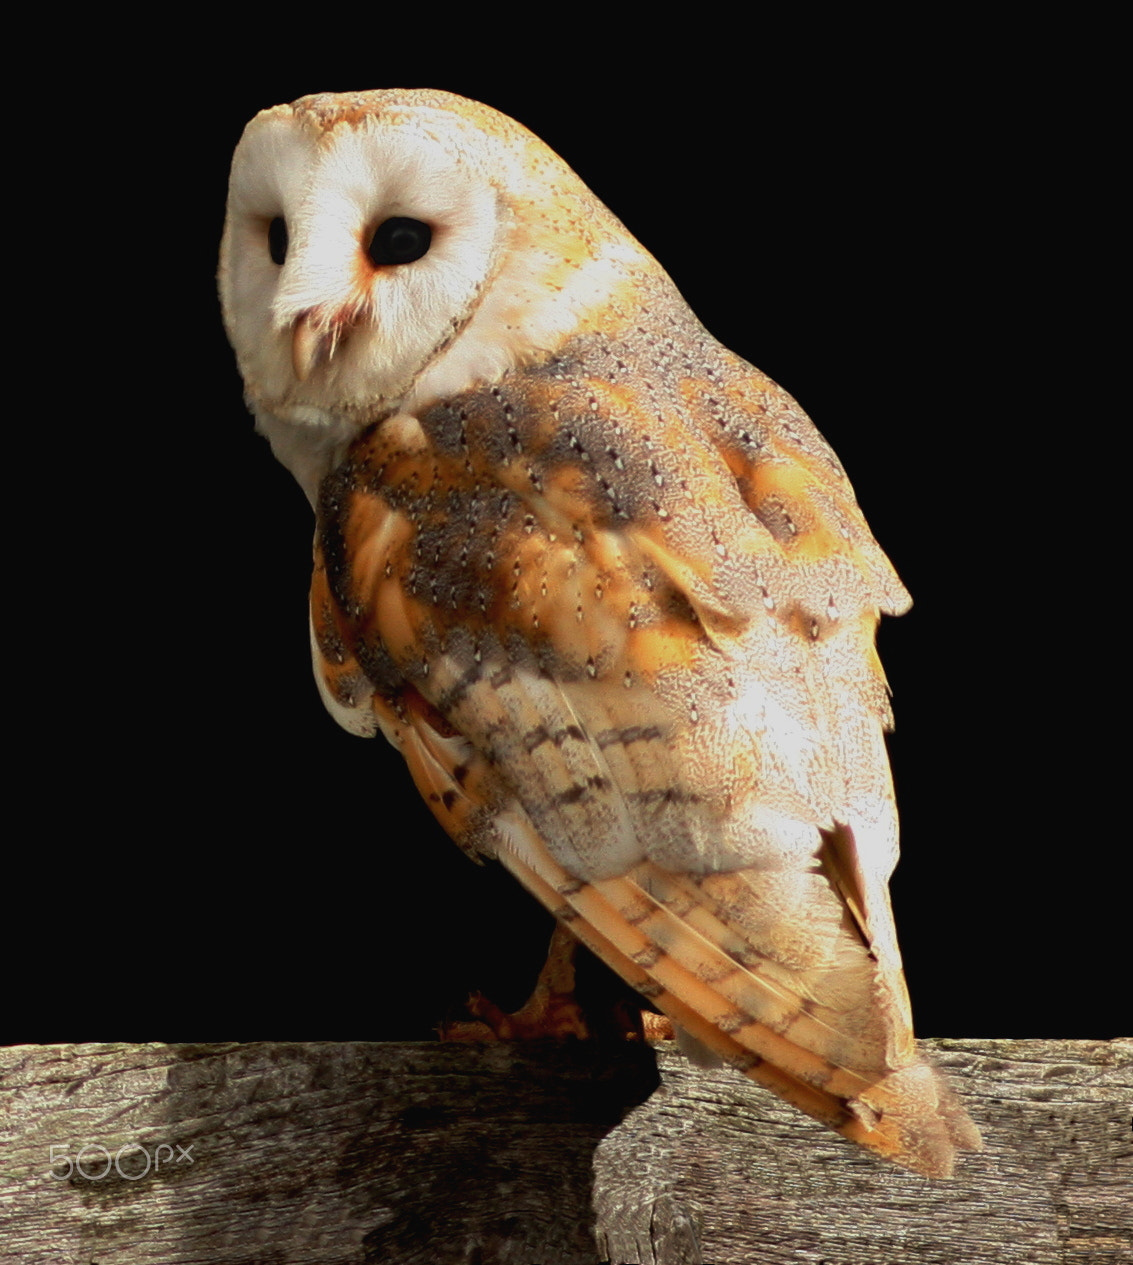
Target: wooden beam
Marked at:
538, 1155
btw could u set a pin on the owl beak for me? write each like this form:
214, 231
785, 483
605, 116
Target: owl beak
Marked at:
307, 344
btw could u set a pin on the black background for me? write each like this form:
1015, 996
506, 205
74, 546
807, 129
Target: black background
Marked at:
896, 235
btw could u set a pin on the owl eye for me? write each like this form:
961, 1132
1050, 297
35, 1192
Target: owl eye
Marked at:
400, 241
277, 240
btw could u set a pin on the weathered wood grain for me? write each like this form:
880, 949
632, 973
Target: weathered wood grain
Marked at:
357, 1153
763, 1184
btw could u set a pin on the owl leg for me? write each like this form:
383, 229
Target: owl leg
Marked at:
553, 1009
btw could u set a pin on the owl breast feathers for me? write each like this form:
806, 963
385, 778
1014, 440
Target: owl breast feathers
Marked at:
600, 581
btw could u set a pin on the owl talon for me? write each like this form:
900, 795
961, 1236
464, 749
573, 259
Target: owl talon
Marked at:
550, 1012
470, 1032
657, 1027
490, 1016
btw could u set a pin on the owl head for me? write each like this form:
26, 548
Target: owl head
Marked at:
384, 249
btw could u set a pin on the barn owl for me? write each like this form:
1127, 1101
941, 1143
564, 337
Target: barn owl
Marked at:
599, 580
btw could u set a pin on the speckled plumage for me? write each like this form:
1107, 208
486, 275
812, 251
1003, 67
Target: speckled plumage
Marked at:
600, 581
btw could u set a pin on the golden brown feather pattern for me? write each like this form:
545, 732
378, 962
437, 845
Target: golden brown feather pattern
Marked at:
601, 582
623, 633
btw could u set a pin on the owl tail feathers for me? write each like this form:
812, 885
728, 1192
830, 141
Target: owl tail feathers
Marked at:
913, 1118
908, 1116
905, 1114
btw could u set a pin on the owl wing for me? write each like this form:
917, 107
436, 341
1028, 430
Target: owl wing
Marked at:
620, 623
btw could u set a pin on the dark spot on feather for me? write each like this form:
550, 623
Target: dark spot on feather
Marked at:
454, 695
670, 795
635, 733
580, 790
